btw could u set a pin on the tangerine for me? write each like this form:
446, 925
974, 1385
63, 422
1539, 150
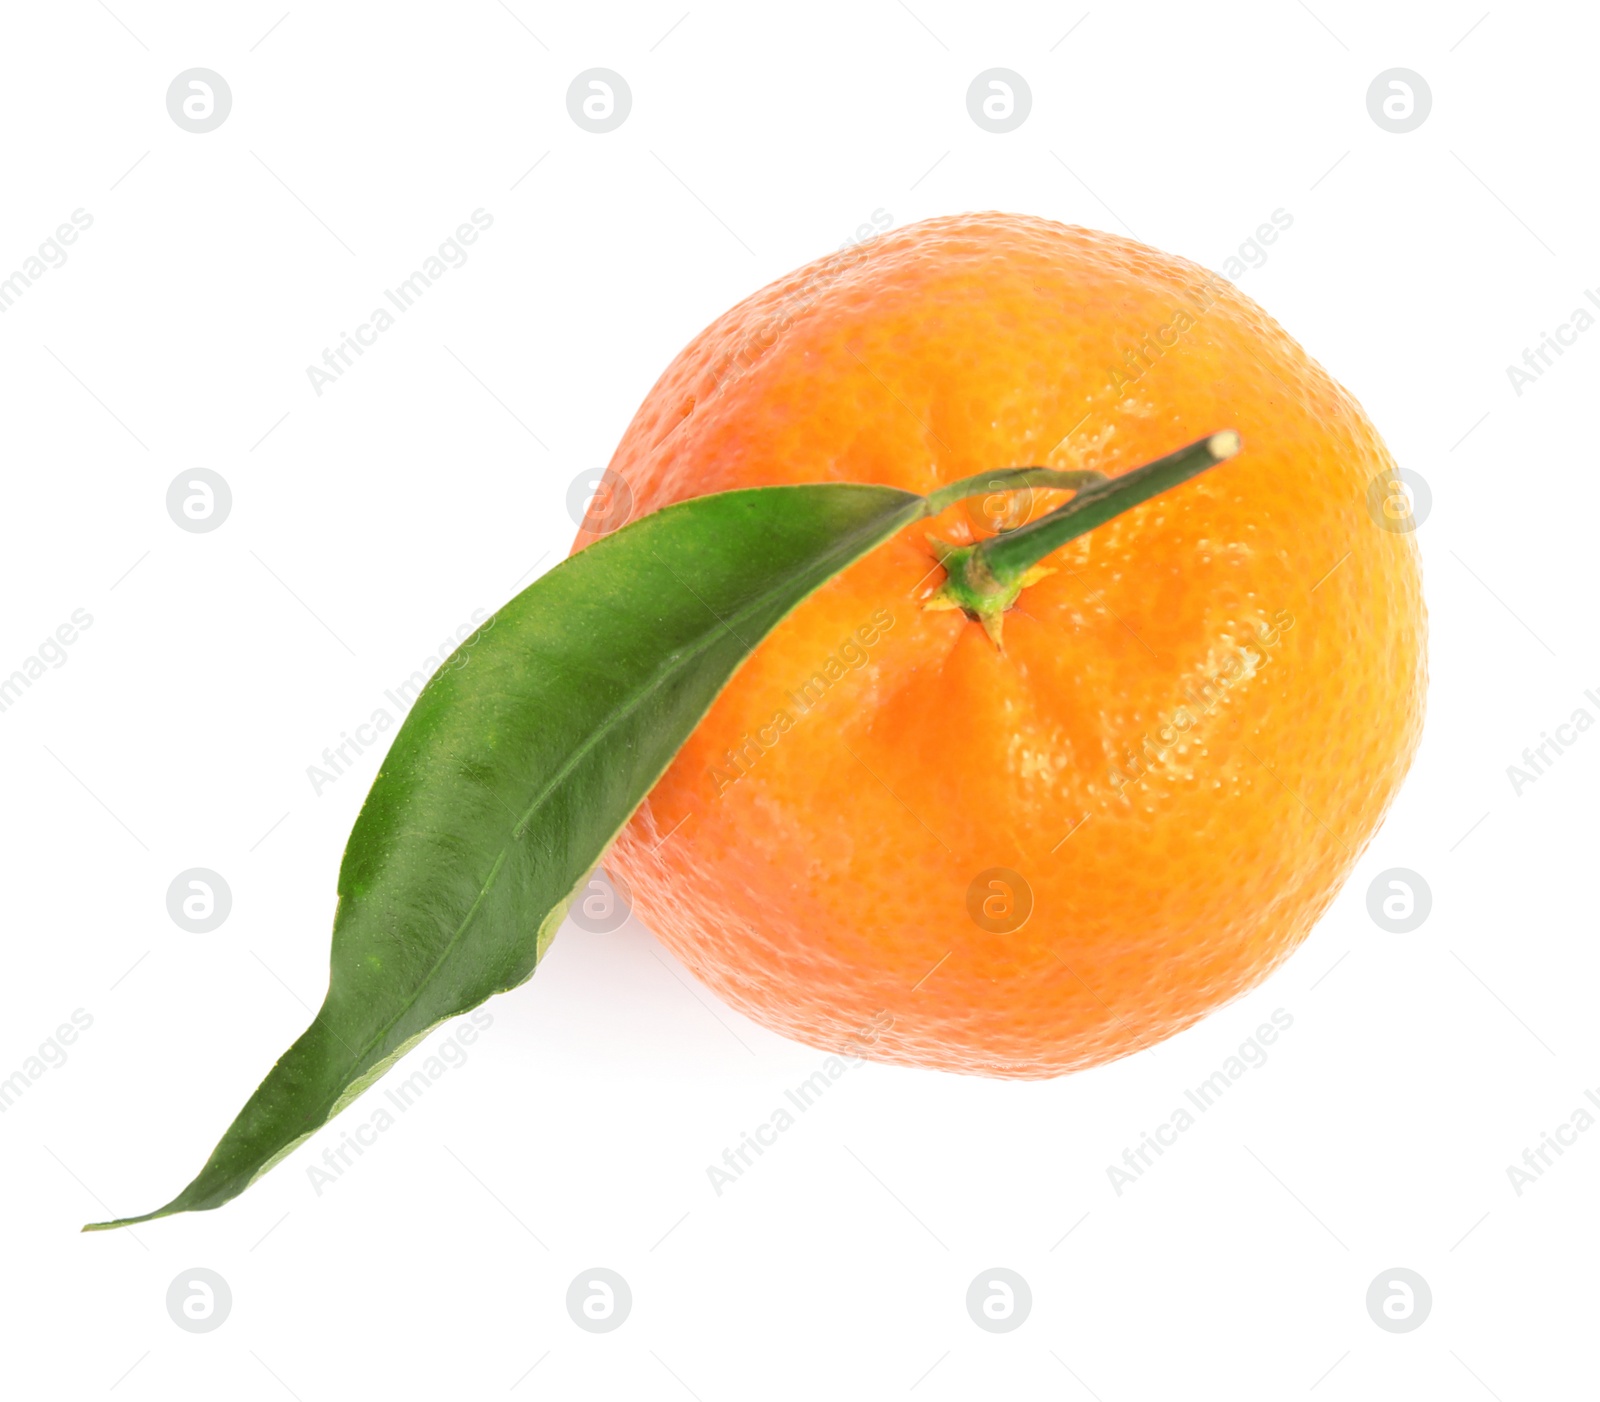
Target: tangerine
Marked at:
890, 836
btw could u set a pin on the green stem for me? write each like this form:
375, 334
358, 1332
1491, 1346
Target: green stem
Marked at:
1010, 556
985, 579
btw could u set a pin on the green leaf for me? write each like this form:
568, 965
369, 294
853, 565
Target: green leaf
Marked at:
520, 761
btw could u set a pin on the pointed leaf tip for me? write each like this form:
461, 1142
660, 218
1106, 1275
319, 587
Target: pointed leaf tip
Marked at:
519, 762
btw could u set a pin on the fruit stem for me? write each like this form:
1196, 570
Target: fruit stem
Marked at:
1008, 557
984, 580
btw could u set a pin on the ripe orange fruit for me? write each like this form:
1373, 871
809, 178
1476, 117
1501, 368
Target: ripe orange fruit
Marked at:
890, 837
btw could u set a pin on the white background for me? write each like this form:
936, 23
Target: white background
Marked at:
369, 522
